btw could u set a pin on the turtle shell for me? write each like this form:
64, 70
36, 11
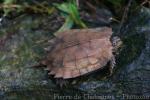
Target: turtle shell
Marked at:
79, 51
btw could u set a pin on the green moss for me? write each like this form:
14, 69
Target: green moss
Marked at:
132, 47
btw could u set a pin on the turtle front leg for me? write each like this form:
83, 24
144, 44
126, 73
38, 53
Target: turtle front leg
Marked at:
112, 65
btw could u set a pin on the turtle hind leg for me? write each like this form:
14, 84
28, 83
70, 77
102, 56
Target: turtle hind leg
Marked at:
42, 63
61, 82
112, 65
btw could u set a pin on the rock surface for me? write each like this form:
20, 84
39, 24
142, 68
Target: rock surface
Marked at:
30, 35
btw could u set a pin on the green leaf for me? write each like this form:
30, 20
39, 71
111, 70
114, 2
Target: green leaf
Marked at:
70, 10
67, 25
8, 2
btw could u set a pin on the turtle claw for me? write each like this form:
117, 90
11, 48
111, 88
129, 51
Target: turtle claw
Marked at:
48, 48
112, 65
62, 83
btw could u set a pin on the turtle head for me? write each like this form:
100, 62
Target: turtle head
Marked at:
116, 42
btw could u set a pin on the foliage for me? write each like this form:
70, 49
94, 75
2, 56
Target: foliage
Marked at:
68, 8
70, 12
8, 2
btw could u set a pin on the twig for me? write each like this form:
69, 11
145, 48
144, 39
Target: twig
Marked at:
9, 6
93, 8
37, 8
77, 2
145, 2
124, 17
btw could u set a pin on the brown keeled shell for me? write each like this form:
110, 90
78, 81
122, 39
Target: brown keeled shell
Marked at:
79, 51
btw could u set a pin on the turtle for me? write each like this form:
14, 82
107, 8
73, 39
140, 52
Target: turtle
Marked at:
77, 52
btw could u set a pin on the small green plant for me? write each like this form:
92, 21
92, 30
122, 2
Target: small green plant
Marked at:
6, 4
70, 11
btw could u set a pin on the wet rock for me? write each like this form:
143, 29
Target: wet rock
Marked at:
22, 49
25, 47
136, 74
98, 17
131, 76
